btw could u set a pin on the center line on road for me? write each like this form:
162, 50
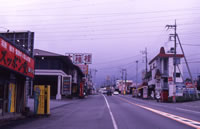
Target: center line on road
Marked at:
111, 114
191, 123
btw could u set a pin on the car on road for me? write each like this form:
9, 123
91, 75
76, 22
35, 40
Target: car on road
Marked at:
104, 92
115, 93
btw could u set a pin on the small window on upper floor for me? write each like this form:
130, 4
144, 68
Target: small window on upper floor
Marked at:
154, 65
178, 61
178, 74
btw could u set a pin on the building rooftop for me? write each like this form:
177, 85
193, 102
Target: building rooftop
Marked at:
38, 52
162, 54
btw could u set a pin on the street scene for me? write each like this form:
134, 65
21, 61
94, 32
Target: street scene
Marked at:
109, 64
128, 113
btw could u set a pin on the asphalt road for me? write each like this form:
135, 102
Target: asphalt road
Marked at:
114, 112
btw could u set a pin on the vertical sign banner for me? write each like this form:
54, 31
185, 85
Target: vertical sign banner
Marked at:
145, 92
67, 85
39, 99
14, 59
11, 98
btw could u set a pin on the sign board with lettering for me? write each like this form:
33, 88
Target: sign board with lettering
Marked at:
66, 90
84, 68
80, 58
14, 59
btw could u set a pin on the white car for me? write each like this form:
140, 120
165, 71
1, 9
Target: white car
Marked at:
115, 92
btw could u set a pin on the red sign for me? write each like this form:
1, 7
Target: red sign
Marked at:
170, 79
84, 68
189, 85
14, 59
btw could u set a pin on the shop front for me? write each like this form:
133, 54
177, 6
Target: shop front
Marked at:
15, 67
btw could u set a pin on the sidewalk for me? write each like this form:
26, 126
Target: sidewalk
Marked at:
190, 105
15, 117
53, 103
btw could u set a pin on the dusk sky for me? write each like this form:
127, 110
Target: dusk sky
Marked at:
114, 31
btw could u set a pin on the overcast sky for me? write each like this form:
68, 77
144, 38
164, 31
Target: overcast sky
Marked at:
114, 31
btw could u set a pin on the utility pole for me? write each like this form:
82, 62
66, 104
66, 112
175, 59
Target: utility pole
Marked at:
125, 80
188, 68
136, 73
94, 78
175, 61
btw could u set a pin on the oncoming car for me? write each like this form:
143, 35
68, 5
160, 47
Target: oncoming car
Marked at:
115, 93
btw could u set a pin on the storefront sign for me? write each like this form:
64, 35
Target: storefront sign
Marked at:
170, 79
14, 59
66, 85
179, 91
145, 92
84, 68
80, 58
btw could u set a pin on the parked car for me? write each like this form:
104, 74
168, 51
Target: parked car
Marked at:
115, 92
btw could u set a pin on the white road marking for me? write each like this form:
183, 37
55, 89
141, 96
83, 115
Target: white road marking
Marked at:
189, 122
111, 114
177, 108
187, 110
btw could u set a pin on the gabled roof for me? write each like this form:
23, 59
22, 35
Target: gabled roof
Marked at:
162, 54
38, 52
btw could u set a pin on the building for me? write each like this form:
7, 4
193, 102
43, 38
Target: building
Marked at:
161, 75
124, 87
23, 39
59, 72
16, 65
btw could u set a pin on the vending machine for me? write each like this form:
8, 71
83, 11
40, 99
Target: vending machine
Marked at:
42, 99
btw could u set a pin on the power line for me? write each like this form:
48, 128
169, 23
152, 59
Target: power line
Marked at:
195, 45
116, 13
116, 60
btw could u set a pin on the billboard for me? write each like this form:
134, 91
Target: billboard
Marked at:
14, 59
80, 58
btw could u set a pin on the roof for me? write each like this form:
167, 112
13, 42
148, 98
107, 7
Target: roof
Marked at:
162, 54
38, 52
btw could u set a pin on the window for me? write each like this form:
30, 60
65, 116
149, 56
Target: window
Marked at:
178, 61
178, 74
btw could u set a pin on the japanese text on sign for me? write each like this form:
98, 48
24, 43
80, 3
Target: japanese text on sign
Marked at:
78, 58
14, 59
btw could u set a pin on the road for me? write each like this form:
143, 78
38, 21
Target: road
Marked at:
115, 112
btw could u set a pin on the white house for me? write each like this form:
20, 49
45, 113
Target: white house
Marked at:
162, 72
